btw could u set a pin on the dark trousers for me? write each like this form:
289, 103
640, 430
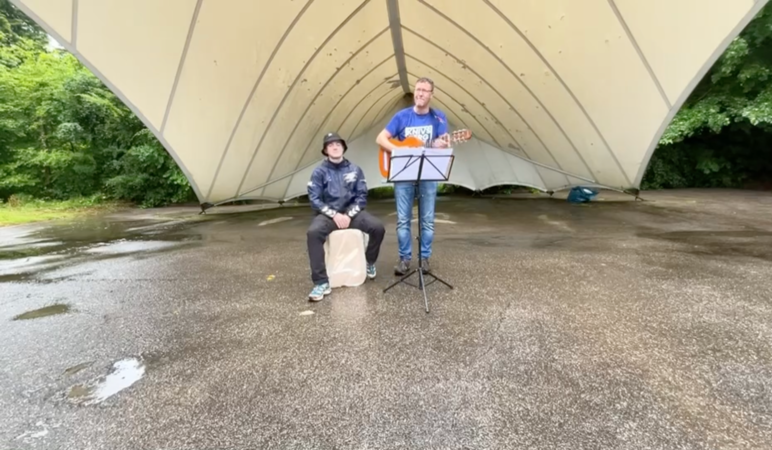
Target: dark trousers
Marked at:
322, 226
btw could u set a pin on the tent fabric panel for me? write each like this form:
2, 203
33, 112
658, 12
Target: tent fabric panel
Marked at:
523, 174
579, 91
227, 53
351, 105
434, 38
137, 45
504, 61
588, 48
476, 164
307, 129
58, 14
383, 91
474, 106
530, 124
676, 48
366, 22
393, 93
478, 104
362, 150
489, 167
301, 46
331, 124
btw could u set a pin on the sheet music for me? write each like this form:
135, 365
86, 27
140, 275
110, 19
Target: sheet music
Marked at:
405, 163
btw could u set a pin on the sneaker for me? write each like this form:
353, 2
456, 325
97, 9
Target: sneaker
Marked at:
425, 266
371, 271
402, 267
319, 291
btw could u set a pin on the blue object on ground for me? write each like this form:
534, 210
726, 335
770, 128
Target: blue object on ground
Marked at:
581, 194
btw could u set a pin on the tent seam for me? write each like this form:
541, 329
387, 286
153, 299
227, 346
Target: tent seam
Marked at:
180, 65
292, 87
251, 94
565, 86
311, 103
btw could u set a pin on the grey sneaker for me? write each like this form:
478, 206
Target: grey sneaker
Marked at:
319, 291
425, 266
371, 271
402, 267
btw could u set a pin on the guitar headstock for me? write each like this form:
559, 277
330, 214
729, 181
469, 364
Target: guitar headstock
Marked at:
460, 135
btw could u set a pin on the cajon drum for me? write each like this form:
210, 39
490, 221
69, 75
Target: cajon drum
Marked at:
344, 254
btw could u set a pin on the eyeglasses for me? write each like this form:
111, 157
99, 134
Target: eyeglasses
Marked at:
424, 90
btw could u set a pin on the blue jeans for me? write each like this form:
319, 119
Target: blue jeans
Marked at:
404, 194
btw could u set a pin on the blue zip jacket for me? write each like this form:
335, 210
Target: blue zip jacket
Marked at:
337, 188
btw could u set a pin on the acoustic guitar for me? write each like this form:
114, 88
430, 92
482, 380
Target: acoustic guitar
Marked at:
384, 157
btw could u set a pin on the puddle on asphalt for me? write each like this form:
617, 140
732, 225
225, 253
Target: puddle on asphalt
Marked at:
750, 243
44, 312
439, 217
29, 436
75, 369
129, 247
123, 375
156, 228
25, 266
272, 221
26, 251
690, 235
13, 266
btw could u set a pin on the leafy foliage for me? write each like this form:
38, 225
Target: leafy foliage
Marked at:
18, 35
720, 136
63, 134
148, 176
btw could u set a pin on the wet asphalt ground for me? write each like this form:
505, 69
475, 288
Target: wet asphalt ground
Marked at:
617, 324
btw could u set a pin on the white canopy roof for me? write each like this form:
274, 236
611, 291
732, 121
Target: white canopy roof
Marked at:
557, 93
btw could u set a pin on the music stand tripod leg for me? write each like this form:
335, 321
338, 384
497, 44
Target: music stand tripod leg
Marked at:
418, 270
421, 283
420, 256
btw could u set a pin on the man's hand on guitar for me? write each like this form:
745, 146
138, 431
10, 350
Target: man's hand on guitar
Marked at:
342, 220
383, 141
442, 141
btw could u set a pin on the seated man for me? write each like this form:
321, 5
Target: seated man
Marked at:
338, 195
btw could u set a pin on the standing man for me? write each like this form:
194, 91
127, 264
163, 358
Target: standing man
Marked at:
338, 195
431, 127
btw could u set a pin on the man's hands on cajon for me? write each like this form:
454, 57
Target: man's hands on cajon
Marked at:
342, 220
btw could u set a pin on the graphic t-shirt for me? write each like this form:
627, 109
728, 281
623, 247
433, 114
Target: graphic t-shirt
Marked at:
426, 127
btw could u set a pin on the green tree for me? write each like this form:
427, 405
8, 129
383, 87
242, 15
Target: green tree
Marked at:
64, 134
19, 36
720, 137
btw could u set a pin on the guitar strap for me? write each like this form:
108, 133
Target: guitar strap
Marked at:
435, 125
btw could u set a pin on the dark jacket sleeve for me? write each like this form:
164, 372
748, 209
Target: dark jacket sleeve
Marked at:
315, 189
360, 194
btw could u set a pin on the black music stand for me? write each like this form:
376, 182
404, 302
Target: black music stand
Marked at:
409, 173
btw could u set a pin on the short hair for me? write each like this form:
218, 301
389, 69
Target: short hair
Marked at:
426, 80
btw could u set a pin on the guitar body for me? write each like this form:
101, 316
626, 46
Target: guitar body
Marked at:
384, 157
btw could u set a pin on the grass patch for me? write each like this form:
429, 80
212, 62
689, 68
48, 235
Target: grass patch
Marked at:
19, 210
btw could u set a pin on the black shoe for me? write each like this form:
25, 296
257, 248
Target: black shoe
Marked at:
402, 267
425, 266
